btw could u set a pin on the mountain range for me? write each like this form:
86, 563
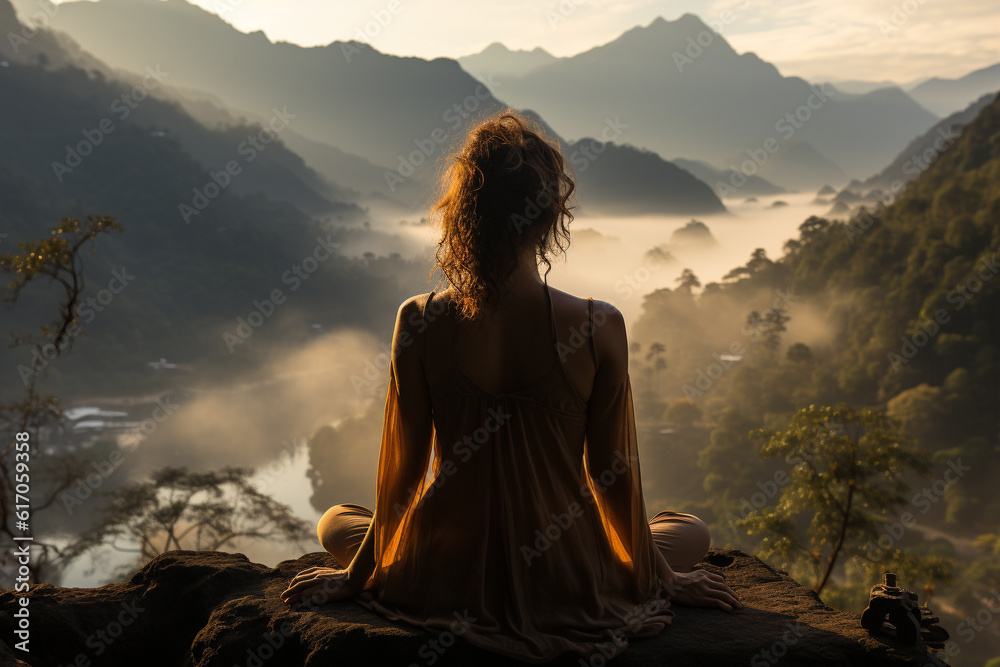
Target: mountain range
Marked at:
497, 61
76, 143
706, 102
754, 186
939, 95
796, 165
913, 160
617, 180
345, 94
376, 123
215, 203
945, 96
679, 87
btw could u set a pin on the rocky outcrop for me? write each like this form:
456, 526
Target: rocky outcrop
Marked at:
213, 609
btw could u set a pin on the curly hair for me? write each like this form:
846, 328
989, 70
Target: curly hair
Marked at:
505, 190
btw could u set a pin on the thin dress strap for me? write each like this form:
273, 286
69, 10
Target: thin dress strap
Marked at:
552, 323
423, 317
430, 297
453, 328
593, 343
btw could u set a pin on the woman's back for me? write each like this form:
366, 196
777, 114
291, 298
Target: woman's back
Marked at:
534, 335
515, 527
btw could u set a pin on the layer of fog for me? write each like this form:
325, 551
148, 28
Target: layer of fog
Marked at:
612, 265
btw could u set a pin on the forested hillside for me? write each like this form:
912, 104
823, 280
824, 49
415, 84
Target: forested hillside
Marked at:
202, 243
899, 310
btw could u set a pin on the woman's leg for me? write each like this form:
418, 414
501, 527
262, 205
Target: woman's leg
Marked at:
342, 529
683, 539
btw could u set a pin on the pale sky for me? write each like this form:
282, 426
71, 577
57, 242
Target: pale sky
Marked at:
815, 39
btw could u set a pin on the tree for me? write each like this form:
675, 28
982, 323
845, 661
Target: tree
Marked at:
655, 354
688, 281
757, 263
770, 325
813, 226
634, 349
177, 509
59, 259
683, 413
799, 353
846, 478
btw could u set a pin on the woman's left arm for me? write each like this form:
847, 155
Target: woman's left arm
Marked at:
402, 467
407, 434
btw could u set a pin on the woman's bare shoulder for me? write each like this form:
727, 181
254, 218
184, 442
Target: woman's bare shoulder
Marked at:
414, 310
608, 320
418, 302
578, 304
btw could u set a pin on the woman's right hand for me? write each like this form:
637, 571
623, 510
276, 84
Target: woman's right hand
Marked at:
701, 588
327, 584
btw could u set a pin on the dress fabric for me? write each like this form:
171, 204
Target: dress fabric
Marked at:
525, 538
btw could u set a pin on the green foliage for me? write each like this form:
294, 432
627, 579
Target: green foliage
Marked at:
59, 259
846, 477
985, 571
729, 436
912, 571
898, 307
56, 257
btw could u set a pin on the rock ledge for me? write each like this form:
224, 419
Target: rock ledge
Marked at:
214, 609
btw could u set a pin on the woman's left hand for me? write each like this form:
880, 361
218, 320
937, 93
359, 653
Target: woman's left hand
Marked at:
311, 584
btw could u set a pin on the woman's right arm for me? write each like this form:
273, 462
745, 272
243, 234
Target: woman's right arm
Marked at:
611, 454
611, 457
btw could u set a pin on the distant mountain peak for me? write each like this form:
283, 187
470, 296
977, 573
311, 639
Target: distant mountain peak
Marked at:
670, 36
498, 59
8, 18
689, 19
496, 47
686, 22
500, 49
946, 96
888, 93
